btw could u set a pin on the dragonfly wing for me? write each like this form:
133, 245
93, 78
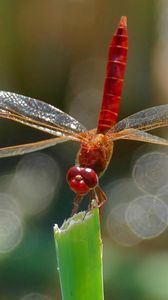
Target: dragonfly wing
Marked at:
138, 135
37, 114
31, 147
146, 119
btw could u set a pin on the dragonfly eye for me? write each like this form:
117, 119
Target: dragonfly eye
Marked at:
81, 180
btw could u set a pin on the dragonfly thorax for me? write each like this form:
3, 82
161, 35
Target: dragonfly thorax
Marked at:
81, 180
95, 153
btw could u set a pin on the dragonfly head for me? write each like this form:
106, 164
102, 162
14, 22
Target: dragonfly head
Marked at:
81, 180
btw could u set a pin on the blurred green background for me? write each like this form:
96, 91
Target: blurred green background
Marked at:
56, 51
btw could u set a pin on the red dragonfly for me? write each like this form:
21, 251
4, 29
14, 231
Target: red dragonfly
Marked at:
96, 146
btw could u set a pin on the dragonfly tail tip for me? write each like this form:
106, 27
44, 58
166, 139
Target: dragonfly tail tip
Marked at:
123, 21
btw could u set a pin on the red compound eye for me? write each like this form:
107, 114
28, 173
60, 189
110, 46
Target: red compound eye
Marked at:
81, 180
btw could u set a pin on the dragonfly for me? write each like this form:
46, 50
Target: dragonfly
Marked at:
96, 145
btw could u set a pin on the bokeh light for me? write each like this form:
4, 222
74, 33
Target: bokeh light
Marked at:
138, 208
35, 181
8, 202
35, 296
121, 190
147, 216
11, 231
118, 229
84, 90
162, 193
150, 171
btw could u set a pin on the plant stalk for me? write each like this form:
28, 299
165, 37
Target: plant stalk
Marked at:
79, 257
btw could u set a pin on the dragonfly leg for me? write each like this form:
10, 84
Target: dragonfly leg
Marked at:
76, 203
97, 199
93, 199
101, 196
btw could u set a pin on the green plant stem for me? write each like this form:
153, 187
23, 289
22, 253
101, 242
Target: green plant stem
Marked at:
79, 257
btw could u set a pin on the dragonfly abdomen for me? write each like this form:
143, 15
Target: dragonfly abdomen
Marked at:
114, 78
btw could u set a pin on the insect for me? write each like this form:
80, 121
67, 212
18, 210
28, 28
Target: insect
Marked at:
96, 146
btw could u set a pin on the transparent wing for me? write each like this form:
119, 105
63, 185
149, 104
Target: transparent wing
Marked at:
146, 119
37, 114
31, 147
137, 135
